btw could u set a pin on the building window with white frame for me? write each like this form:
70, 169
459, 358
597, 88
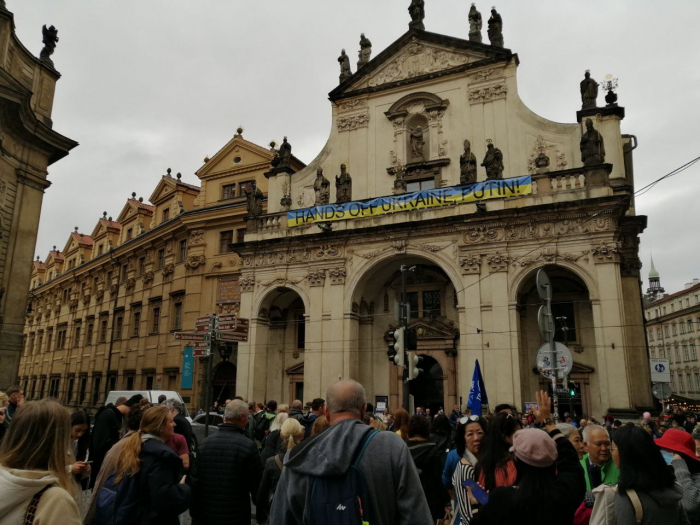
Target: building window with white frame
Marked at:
693, 352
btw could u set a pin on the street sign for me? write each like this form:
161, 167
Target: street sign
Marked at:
661, 391
200, 344
544, 322
660, 370
231, 336
198, 352
203, 320
564, 360
202, 328
544, 287
226, 318
185, 336
227, 327
232, 325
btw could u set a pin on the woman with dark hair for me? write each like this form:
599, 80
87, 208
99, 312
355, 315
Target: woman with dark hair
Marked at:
401, 419
496, 467
79, 442
678, 448
427, 458
550, 484
441, 433
646, 491
469, 436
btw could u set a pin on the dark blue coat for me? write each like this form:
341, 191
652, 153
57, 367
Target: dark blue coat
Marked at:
227, 473
162, 498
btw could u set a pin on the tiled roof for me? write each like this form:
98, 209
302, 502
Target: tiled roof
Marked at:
82, 240
674, 295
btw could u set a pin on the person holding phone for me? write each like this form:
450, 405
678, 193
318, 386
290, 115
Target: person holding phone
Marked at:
550, 483
79, 441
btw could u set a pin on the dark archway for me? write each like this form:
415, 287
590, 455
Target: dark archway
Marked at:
224, 384
427, 389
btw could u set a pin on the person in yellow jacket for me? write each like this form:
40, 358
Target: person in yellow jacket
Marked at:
34, 475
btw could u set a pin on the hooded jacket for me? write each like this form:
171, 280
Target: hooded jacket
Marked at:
428, 460
387, 466
56, 506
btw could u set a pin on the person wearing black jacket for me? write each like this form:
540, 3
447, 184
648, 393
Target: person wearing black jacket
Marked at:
227, 472
182, 426
428, 459
550, 484
105, 433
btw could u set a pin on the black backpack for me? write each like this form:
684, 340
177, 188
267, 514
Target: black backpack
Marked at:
119, 504
262, 426
342, 500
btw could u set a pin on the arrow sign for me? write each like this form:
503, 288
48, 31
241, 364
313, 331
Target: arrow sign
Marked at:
226, 318
200, 344
203, 320
224, 336
200, 352
225, 327
185, 336
202, 328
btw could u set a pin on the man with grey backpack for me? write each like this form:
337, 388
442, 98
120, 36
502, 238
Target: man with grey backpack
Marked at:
350, 473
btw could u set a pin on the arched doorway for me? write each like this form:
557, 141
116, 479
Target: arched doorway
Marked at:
427, 390
571, 307
224, 382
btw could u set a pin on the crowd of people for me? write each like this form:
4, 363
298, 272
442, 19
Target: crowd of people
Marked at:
337, 461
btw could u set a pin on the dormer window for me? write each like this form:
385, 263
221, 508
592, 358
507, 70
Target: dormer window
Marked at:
129, 234
99, 249
166, 214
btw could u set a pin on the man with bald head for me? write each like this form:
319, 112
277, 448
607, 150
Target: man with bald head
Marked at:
394, 487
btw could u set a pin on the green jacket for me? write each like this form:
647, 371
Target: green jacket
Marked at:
608, 472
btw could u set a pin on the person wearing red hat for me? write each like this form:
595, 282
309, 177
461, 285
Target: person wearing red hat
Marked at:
678, 449
548, 471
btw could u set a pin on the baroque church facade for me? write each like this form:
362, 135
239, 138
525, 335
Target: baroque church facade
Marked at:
433, 163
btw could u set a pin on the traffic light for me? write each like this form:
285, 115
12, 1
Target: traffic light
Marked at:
396, 346
572, 389
413, 362
411, 339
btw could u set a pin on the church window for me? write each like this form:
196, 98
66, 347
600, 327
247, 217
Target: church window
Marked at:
228, 191
419, 185
425, 303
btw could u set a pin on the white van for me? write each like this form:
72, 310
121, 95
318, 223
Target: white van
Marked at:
151, 395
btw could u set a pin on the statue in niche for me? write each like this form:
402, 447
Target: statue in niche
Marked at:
467, 165
589, 91
365, 51
343, 186
416, 141
495, 30
493, 162
542, 162
283, 158
592, 146
322, 188
417, 12
475, 24
49, 39
344, 61
254, 198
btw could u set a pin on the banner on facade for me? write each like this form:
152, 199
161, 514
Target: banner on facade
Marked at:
187, 369
418, 200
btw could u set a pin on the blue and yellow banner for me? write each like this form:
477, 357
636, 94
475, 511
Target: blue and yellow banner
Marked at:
418, 200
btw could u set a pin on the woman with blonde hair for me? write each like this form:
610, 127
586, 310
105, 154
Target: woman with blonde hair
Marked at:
34, 479
272, 444
160, 496
292, 433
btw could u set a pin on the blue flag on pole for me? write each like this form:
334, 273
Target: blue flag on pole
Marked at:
477, 392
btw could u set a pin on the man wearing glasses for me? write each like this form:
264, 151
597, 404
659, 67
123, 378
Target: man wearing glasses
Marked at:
598, 465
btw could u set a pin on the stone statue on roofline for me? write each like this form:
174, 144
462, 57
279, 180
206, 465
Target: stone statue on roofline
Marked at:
283, 159
49, 39
343, 186
589, 91
592, 146
417, 12
475, 23
344, 61
365, 51
495, 30
467, 165
254, 198
322, 188
493, 162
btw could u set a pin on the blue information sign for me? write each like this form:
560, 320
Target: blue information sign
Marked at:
187, 369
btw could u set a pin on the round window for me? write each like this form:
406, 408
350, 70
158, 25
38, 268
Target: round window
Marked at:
236, 160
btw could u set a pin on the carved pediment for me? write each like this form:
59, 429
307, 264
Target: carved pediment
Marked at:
434, 328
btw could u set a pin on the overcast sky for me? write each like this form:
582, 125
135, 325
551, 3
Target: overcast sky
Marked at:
152, 84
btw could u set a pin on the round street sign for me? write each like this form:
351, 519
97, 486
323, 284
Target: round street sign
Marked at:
564, 360
661, 391
543, 322
544, 287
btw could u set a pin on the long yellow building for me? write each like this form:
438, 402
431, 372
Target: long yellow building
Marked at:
104, 308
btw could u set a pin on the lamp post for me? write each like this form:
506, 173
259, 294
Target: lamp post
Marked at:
565, 329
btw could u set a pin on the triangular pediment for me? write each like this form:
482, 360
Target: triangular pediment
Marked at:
165, 188
237, 153
420, 55
433, 329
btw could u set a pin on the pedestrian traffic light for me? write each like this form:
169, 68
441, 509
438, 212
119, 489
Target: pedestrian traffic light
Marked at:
396, 346
572, 389
413, 362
